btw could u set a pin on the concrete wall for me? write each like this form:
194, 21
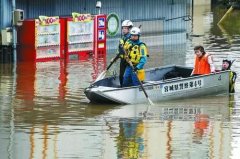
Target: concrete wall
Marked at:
202, 2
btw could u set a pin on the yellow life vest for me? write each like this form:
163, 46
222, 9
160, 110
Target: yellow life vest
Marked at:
135, 52
125, 44
141, 74
121, 42
232, 78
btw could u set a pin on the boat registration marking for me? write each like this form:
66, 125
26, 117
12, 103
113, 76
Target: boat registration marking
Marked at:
146, 88
182, 86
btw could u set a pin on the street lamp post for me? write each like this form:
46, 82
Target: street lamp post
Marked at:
99, 5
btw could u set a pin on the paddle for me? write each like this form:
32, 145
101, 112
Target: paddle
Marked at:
103, 74
144, 91
131, 65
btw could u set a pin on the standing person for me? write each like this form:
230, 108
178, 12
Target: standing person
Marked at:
203, 62
226, 65
126, 27
137, 54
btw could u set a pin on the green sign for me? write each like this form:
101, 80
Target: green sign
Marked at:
112, 24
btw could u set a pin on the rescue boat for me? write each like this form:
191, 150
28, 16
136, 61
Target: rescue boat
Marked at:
161, 84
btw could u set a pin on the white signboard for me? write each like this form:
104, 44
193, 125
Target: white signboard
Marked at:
182, 86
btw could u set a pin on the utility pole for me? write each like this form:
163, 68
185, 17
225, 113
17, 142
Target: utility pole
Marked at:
14, 34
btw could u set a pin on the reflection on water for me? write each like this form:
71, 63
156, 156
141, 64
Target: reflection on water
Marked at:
182, 129
61, 123
130, 140
44, 113
40, 97
55, 81
179, 129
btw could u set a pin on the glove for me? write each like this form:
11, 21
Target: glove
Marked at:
121, 51
135, 69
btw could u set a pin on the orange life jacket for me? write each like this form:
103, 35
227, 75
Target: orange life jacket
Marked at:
201, 65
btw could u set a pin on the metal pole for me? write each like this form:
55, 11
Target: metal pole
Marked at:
12, 125
225, 15
14, 34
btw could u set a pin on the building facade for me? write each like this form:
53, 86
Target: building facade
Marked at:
125, 9
164, 22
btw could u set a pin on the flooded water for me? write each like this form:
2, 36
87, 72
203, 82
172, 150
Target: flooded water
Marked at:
45, 114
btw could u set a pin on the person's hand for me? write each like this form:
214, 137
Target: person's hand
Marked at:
213, 72
135, 69
121, 49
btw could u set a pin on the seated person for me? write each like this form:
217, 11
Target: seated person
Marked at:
203, 63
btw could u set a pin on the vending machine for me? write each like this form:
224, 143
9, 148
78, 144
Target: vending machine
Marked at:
79, 35
85, 34
41, 39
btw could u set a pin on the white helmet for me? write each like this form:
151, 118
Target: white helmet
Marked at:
135, 31
127, 23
